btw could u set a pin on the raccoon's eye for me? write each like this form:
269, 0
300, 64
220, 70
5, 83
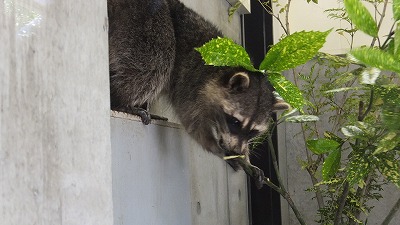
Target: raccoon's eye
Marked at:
234, 124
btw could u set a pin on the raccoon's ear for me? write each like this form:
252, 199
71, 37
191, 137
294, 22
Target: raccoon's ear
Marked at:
239, 81
280, 105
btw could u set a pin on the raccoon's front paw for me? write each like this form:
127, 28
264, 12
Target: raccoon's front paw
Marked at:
234, 164
258, 176
144, 114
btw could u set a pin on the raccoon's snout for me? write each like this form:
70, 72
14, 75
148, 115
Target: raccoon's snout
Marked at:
231, 144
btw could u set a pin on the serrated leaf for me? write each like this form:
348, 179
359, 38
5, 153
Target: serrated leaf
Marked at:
361, 17
289, 92
376, 58
389, 167
388, 142
293, 50
225, 52
391, 108
332, 136
338, 60
352, 131
323, 145
357, 168
331, 164
396, 9
396, 43
302, 118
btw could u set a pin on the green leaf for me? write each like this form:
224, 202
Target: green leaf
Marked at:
302, 118
389, 166
338, 61
361, 17
289, 92
332, 136
225, 52
323, 145
293, 50
331, 164
357, 168
376, 58
396, 45
388, 142
396, 9
391, 108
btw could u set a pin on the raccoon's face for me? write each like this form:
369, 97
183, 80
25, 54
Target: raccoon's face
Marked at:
239, 108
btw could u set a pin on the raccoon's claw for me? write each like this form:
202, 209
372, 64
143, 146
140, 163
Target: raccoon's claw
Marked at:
144, 115
155, 117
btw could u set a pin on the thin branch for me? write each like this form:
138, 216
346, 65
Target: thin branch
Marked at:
362, 116
341, 203
287, 17
270, 11
380, 20
362, 192
282, 186
254, 173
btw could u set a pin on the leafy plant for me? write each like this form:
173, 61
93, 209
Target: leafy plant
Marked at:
360, 96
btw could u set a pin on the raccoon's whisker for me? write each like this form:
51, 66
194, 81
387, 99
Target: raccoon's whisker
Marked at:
255, 154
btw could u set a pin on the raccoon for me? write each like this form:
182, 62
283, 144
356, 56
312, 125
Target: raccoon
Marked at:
152, 49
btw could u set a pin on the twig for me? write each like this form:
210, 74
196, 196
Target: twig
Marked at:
341, 203
269, 11
380, 20
287, 17
362, 192
282, 186
254, 173
362, 116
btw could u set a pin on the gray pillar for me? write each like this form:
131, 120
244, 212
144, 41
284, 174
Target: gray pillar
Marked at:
55, 158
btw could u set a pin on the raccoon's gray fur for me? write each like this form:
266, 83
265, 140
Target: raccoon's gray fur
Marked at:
152, 49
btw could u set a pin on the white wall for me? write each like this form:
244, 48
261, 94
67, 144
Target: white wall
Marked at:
310, 16
55, 158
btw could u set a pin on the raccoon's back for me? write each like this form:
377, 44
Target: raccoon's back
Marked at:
141, 50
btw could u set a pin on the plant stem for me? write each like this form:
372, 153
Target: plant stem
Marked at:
380, 20
392, 212
361, 116
287, 17
341, 203
269, 11
250, 170
285, 194
362, 192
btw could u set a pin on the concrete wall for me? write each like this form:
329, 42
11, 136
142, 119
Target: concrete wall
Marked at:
55, 158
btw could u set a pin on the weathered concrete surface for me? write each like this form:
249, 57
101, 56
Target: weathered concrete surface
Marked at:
55, 156
161, 176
